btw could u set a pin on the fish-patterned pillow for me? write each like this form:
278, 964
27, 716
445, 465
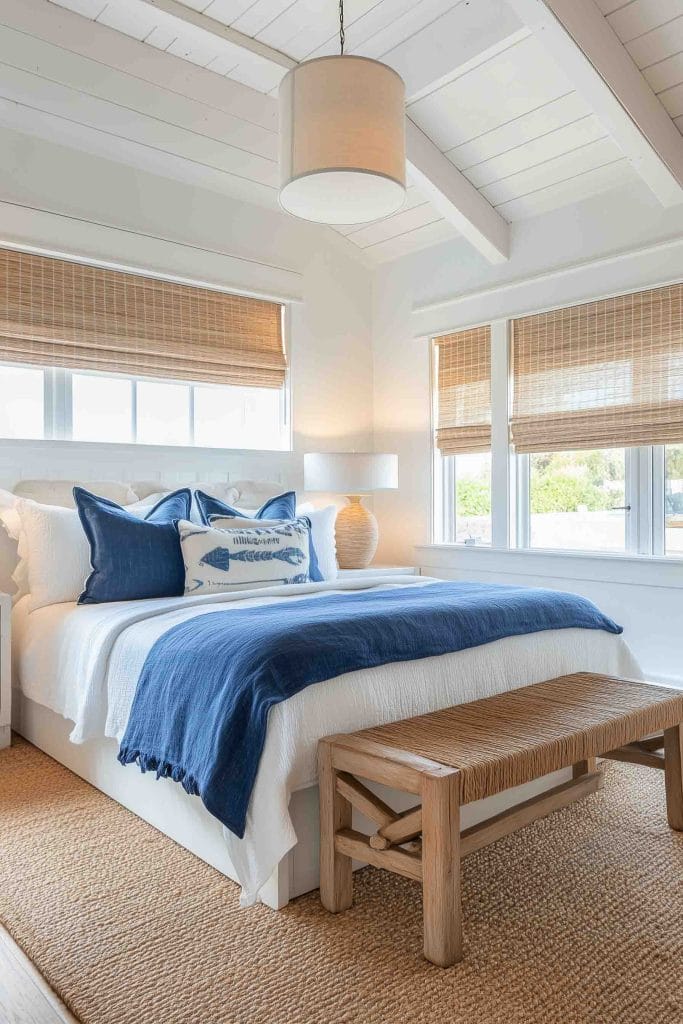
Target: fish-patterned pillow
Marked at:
244, 557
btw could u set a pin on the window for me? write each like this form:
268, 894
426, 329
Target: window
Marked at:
59, 313
162, 413
473, 499
103, 355
599, 375
244, 418
585, 430
124, 410
463, 433
102, 408
21, 402
577, 500
673, 500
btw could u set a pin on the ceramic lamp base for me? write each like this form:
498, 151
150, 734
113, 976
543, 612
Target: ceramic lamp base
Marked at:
357, 535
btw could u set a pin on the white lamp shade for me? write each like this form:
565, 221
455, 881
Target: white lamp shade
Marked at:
342, 140
350, 472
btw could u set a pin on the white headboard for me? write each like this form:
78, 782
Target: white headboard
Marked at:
80, 460
74, 460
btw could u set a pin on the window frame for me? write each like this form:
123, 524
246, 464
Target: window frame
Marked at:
659, 475
510, 507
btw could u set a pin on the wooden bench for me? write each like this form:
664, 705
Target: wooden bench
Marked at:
454, 756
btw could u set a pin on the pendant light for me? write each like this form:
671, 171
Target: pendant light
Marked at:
342, 139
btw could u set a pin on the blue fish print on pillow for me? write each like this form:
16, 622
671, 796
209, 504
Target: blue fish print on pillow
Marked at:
220, 558
239, 558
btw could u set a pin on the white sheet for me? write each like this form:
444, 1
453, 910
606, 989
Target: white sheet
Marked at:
83, 663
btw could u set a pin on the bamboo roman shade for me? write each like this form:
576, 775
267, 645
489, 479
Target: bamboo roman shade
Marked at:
464, 391
57, 313
602, 375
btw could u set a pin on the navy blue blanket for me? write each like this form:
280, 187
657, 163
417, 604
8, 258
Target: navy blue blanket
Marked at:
201, 707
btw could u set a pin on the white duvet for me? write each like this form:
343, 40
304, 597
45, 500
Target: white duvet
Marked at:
83, 662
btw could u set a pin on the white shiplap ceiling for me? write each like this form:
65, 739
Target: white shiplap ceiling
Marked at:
143, 86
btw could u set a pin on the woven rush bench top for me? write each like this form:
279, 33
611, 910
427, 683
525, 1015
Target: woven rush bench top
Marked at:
513, 737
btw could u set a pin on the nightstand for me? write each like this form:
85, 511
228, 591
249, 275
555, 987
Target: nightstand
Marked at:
379, 570
5, 670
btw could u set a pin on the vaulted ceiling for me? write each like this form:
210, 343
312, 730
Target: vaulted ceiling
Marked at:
187, 89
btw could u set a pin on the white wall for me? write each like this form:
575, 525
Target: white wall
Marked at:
59, 200
402, 415
609, 243
552, 260
646, 598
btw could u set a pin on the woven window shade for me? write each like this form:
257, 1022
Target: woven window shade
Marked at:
57, 313
607, 374
464, 392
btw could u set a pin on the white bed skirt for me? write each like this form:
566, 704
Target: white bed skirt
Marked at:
183, 818
162, 803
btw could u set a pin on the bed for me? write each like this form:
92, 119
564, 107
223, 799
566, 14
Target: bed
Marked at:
75, 670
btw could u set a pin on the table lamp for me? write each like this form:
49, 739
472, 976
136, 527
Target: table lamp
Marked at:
352, 474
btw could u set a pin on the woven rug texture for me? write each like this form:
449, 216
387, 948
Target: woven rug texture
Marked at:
577, 919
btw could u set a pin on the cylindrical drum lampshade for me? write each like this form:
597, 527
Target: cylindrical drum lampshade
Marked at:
342, 140
350, 472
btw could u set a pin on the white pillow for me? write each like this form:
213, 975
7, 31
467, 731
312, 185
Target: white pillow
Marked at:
252, 494
11, 521
58, 553
243, 557
145, 505
322, 533
149, 490
60, 492
11, 518
223, 491
323, 537
53, 551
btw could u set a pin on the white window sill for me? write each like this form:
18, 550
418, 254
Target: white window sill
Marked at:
599, 566
127, 447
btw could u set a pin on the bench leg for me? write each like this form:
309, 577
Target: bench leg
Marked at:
336, 871
586, 767
441, 869
673, 774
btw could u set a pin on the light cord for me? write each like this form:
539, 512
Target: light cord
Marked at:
342, 35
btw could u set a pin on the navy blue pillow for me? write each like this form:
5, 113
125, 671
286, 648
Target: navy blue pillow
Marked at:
314, 572
283, 506
133, 558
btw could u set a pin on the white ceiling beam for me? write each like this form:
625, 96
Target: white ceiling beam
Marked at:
454, 43
455, 197
178, 13
583, 43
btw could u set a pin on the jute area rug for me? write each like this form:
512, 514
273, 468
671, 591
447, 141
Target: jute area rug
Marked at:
577, 919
